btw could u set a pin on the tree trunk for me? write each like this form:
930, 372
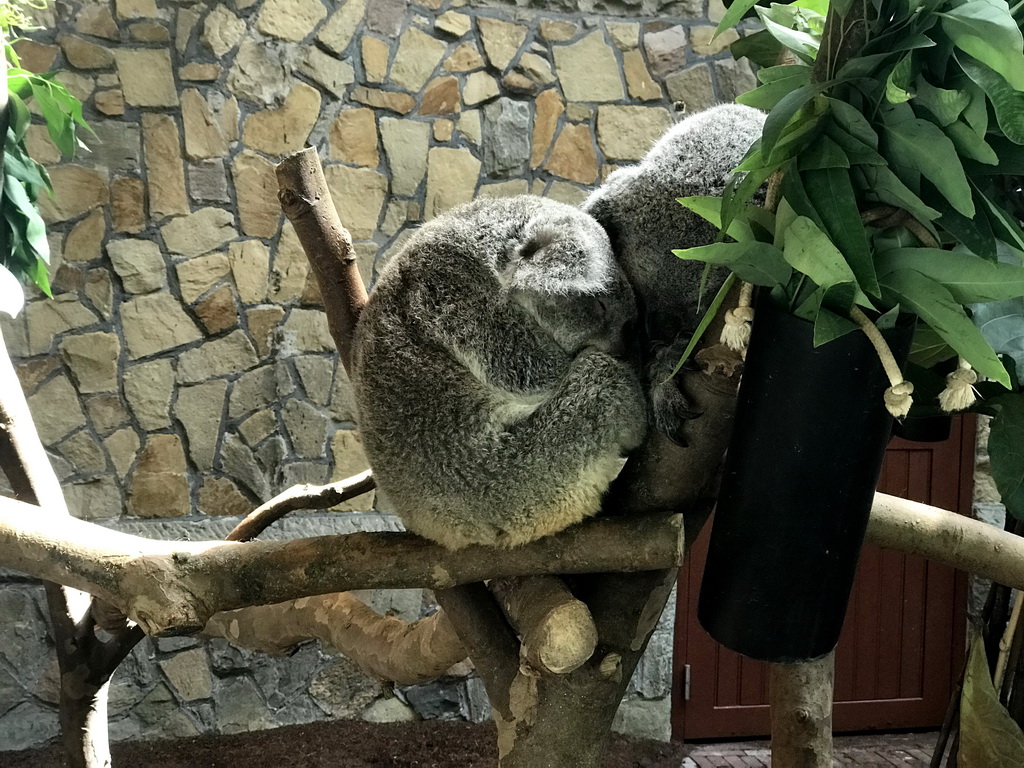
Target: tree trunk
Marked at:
801, 711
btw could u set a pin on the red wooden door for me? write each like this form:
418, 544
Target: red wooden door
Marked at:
902, 642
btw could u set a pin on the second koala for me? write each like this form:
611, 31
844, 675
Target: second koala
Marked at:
638, 208
493, 405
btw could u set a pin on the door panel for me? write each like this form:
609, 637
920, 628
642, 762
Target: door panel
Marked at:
903, 639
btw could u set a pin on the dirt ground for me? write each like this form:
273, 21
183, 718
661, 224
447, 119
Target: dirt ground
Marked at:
343, 744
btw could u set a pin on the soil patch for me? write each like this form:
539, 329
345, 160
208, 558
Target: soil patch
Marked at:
344, 744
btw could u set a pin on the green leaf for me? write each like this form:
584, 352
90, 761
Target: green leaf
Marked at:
1007, 103
1004, 226
21, 118
710, 209
753, 262
739, 190
921, 145
850, 119
886, 186
1002, 325
784, 111
823, 153
935, 305
794, 192
986, 30
976, 113
733, 14
989, 737
928, 348
832, 194
804, 45
898, 83
829, 326
1006, 454
946, 105
760, 47
969, 144
774, 89
975, 233
705, 322
809, 250
969, 278
857, 152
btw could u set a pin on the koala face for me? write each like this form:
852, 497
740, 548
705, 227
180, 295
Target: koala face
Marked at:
565, 276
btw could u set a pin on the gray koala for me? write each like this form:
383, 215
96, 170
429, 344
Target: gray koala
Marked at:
637, 207
493, 403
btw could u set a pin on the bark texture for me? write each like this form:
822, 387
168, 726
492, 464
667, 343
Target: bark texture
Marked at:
175, 587
801, 711
407, 653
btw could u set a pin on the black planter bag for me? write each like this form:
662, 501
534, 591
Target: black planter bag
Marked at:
807, 447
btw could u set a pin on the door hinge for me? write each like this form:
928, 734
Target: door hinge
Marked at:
686, 682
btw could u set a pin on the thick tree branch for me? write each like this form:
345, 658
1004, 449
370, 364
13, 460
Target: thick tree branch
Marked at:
801, 711
306, 201
407, 653
175, 587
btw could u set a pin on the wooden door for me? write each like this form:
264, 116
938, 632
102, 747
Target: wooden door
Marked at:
903, 640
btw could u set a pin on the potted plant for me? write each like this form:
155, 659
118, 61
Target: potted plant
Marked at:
887, 226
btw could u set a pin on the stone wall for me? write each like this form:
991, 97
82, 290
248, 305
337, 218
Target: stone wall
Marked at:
183, 371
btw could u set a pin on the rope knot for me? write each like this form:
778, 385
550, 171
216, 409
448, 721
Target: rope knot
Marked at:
959, 392
898, 398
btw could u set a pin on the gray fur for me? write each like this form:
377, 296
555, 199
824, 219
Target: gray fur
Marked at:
637, 207
491, 406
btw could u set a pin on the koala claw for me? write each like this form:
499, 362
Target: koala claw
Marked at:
671, 410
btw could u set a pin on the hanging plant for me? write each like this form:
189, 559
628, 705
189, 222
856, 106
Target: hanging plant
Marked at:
893, 130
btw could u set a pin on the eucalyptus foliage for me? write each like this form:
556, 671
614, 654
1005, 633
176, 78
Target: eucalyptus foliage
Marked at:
897, 129
24, 253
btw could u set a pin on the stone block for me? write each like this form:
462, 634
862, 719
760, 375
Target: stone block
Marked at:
48, 318
628, 132
83, 242
128, 204
338, 30
305, 330
148, 388
56, 410
199, 409
83, 452
222, 30
452, 176
441, 97
548, 109
290, 20
165, 172
219, 357
666, 50
259, 211
77, 190
307, 428
417, 58
278, 132
139, 264
573, 157
349, 459
81, 54
199, 232
465, 58
146, 77
479, 87
154, 323
638, 80
197, 275
375, 54
506, 138
262, 71
353, 138
250, 266
501, 40
378, 99
208, 181
360, 193
204, 137
588, 70
122, 447
692, 88
92, 359
220, 496
218, 311
333, 74
189, 674
262, 323
95, 499
406, 144
159, 485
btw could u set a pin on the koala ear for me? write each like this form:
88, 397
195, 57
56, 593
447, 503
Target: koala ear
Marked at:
529, 267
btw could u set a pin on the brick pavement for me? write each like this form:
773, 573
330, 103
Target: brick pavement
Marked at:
886, 750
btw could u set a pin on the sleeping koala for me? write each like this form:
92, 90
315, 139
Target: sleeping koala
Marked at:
637, 207
493, 403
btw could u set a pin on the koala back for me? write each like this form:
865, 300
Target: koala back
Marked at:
637, 206
489, 407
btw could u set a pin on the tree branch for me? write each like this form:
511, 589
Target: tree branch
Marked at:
300, 497
306, 201
407, 653
175, 587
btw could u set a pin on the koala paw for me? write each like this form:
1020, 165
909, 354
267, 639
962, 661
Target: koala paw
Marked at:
671, 410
